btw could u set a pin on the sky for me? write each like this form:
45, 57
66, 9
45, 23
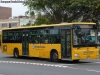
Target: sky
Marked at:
17, 8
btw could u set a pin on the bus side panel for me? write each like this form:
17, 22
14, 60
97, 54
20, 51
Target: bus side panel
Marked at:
32, 51
58, 48
8, 48
43, 50
18, 46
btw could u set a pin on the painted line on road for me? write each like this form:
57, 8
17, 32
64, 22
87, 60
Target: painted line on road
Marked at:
95, 59
92, 70
16, 62
66, 64
43, 64
97, 62
52, 65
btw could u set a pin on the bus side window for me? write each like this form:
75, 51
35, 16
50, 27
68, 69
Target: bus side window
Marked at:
5, 37
41, 39
54, 36
17, 37
33, 39
55, 39
46, 40
11, 37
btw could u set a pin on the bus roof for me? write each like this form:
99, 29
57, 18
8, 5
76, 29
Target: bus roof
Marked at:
45, 25
83, 23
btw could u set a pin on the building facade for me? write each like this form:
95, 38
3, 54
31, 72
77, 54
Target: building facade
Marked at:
9, 23
5, 12
25, 20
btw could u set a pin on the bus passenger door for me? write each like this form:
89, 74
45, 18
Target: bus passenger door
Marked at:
25, 43
66, 43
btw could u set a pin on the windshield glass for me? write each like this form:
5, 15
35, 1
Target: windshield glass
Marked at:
84, 36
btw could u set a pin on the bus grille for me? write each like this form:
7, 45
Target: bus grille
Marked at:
88, 52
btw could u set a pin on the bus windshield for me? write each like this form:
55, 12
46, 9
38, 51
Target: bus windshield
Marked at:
84, 36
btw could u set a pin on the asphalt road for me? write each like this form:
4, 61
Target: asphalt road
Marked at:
34, 66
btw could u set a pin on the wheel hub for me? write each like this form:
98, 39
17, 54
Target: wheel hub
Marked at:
55, 56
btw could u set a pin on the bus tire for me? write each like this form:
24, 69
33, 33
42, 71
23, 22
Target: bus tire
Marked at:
16, 53
54, 56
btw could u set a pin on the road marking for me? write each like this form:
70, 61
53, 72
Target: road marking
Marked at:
66, 64
43, 64
16, 62
92, 70
94, 59
96, 62
52, 65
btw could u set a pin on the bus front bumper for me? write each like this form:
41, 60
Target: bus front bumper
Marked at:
85, 57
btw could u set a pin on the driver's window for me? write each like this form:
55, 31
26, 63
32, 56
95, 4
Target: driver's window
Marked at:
92, 34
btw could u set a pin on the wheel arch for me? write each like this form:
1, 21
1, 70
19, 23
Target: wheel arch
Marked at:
53, 50
15, 49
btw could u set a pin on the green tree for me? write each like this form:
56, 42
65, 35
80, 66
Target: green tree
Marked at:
57, 11
54, 10
89, 9
41, 20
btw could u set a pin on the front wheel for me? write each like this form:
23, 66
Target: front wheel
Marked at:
54, 56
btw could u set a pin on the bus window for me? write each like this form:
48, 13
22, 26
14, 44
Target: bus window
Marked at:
84, 37
5, 37
34, 38
18, 37
55, 39
54, 36
44, 36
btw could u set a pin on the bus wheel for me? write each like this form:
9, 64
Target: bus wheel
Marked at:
16, 53
54, 56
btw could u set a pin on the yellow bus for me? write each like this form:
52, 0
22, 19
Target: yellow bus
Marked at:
64, 41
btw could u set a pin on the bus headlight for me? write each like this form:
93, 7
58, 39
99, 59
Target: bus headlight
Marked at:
76, 55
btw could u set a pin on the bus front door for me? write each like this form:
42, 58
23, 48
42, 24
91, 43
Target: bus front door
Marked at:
25, 43
66, 43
